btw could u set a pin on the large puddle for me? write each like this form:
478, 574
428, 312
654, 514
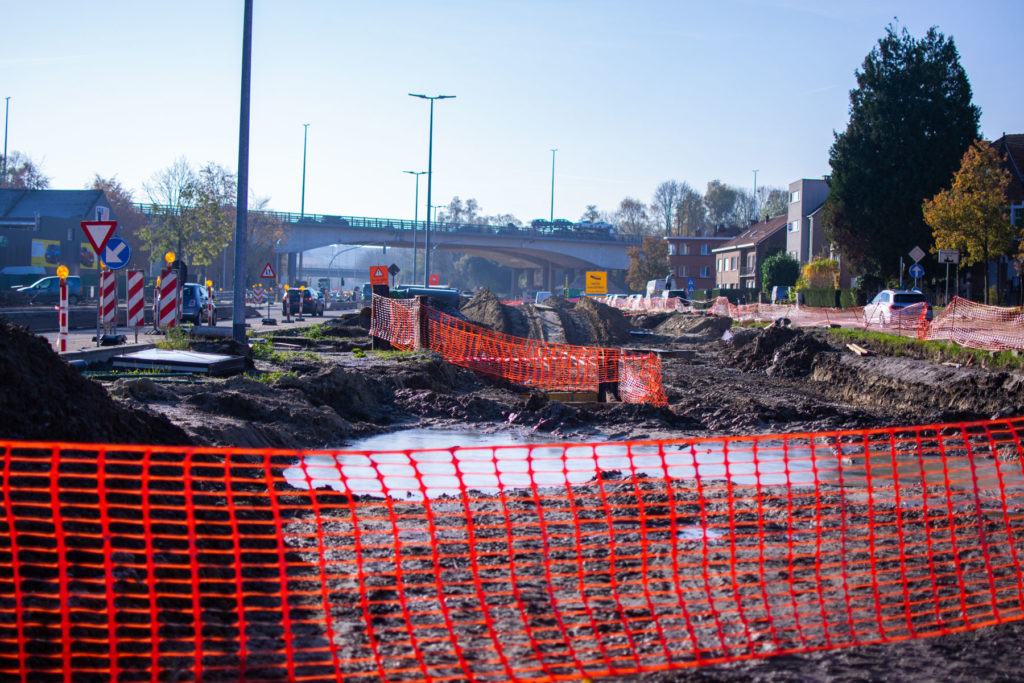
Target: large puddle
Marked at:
421, 463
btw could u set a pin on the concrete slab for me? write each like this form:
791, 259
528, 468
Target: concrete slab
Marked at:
213, 364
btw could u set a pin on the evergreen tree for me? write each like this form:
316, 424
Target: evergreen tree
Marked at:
911, 120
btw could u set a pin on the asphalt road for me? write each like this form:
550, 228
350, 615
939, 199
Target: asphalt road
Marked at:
42, 321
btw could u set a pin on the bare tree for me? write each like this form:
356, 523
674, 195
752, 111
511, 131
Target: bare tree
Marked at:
591, 215
632, 217
691, 214
666, 198
23, 173
122, 203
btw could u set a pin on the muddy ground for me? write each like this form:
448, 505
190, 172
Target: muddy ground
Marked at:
323, 389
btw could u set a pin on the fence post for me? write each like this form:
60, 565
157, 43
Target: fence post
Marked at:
421, 334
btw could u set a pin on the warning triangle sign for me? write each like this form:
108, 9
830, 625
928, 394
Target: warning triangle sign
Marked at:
378, 275
268, 272
98, 233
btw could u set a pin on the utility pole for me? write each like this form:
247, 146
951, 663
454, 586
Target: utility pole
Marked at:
7, 109
242, 202
552, 218
756, 210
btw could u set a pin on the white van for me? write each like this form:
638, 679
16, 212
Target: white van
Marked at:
541, 296
655, 287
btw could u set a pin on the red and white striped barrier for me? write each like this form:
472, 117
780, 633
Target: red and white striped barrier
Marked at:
108, 297
62, 307
169, 300
136, 311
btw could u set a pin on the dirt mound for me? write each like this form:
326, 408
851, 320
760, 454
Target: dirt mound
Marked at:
604, 324
487, 310
680, 324
780, 352
48, 400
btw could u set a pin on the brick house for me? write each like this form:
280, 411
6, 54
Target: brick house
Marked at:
738, 261
692, 258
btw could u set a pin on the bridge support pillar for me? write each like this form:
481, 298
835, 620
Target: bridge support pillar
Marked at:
549, 277
293, 260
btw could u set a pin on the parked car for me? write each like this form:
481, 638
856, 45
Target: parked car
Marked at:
86, 257
196, 304
47, 290
888, 303
304, 301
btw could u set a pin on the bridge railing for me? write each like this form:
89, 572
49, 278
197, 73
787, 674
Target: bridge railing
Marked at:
401, 225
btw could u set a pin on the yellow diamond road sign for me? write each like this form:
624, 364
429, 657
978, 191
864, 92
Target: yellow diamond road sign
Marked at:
597, 282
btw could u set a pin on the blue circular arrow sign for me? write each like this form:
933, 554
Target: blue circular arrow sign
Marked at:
917, 271
116, 254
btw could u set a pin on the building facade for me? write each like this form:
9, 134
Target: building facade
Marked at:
805, 235
738, 261
40, 230
692, 258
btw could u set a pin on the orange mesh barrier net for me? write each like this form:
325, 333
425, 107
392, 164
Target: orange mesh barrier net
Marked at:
968, 323
406, 324
539, 562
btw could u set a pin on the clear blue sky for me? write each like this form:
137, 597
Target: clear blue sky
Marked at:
631, 93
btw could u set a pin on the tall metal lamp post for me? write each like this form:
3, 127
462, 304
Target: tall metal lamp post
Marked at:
430, 179
552, 218
7, 110
302, 205
415, 219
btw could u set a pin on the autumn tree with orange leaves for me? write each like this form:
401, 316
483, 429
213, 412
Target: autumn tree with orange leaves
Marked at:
971, 216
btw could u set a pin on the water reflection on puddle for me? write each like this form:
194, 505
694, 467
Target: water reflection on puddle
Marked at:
470, 460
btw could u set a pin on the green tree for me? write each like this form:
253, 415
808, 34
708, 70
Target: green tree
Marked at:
192, 212
971, 216
649, 261
720, 200
779, 269
911, 120
22, 173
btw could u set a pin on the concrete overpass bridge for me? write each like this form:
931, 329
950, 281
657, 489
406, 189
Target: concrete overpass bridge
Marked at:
537, 250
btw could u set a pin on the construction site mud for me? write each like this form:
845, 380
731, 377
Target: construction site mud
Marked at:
323, 387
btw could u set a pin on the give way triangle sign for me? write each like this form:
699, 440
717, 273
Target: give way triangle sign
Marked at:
99, 233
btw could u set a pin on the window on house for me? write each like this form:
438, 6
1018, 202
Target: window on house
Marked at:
681, 271
1017, 215
686, 249
794, 197
732, 263
704, 250
794, 255
794, 226
750, 261
705, 271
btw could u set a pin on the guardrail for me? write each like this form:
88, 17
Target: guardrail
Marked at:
401, 225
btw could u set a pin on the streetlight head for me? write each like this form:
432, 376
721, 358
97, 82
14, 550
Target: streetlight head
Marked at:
445, 97
422, 97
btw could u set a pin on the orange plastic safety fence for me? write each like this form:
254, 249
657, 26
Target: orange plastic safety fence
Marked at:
979, 326
555, 367
541, 562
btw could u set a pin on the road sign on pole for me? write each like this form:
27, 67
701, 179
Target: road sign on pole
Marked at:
268, 272
378, 275
917, 271
917, 253
98, 232
949, 256
116, 253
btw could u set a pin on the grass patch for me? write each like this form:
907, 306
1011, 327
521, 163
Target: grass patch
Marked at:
267, 352
941, 351
177, 339
392, 354
270, 378
316, 332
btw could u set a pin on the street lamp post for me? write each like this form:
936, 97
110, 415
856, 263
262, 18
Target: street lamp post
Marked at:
430, 182
7, 109
415, 219
552, 218
302, 205
755, 193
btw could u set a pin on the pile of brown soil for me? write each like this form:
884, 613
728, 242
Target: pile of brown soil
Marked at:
681, 324
605, 325
779, 352
45, 399
487, 310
